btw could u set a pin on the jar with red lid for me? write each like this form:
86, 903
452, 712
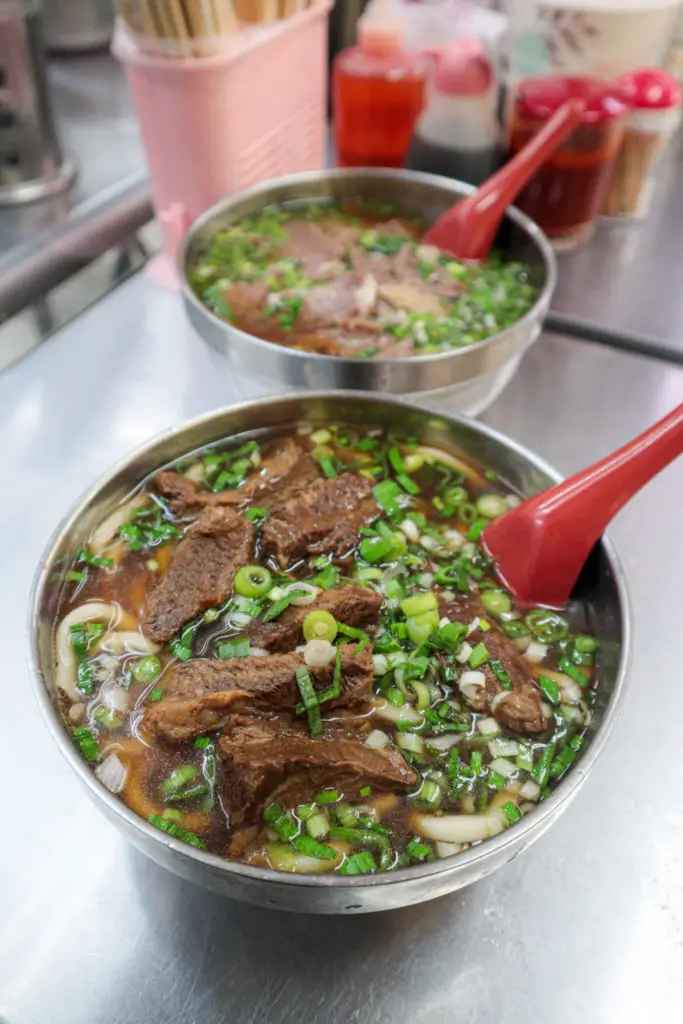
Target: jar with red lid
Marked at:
655, 98
566, 195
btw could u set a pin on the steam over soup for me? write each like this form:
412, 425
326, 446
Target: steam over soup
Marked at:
291, 651
354, 280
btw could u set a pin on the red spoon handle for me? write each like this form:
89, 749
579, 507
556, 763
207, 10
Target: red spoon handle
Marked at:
541, 546
603, 489
498, 192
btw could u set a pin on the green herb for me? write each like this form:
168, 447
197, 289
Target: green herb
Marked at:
148, 528
511, 812
181, 646
312, 848
500, 674
280, 820
106, 717
86, 741
549, 689
364, 837
333, 692
476, 762
171, 829
571, 670
547, 626
202, 743
496, 780
101, 563
257, 515
419, 850
288, 312
327, 578
542, 769
408, 484
362, 863
277, 607
156, 694
388, 496
366, 791
328, 467
147, 669
310, 700
330, 796
227, 649
477, 528
478, 657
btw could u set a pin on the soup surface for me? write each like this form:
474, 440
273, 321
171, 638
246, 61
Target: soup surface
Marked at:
292, 651
354, 280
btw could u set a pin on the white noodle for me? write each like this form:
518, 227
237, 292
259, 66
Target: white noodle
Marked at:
449, 849
458, 828
127, 642
67, 668
108, 529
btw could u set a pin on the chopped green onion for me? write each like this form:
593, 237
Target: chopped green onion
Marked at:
396, 460
86, 741
467, 512
147, 669
178, 778
419, 604
257, 515
496, 780
330, 796
585, 644
388, 495
310, 700
280, 820
377, 549
496, 602
156, 694
278, 607
327, 466
547, 626
367, 838
515, 629
542, 769
419, 850
500, 674
566, 666
476, 529
492, 506
366, 791
478, 657
202, 743
253, 581
476, 762
171, 829
320, 625
181, 646
407, 484
312, 848
227, 649
333, 691
317, 825
362, 863
396, 696
99, 563
346, 815
106, 717
421, 627
327, 578
549, 689
511, 812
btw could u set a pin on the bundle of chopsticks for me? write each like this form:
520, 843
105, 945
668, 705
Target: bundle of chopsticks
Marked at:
191, 23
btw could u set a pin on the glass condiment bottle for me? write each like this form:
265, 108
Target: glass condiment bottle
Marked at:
566, 195
379, 93
655, 98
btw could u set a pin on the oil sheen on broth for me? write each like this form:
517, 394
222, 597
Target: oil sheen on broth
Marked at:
292, 651
354, 280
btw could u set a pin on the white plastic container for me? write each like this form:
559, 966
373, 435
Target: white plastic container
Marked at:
596, 37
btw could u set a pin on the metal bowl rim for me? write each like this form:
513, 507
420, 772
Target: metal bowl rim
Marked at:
531, 824
305, 177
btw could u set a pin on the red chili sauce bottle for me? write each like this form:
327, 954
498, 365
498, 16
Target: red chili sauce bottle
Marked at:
565, 196
379, 91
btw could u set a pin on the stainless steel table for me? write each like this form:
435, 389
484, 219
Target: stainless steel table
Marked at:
586, 926
41, 244
624, 288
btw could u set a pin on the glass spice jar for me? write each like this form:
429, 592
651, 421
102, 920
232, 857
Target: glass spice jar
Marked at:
655, 98
566, 195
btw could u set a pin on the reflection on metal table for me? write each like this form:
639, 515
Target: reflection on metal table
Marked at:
42, 244
624, 288
589, 921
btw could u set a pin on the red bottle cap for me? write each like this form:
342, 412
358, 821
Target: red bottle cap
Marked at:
651, 89
539, 98
462, 67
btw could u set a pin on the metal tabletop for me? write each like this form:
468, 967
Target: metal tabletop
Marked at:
43, 243
586, 926
624, 287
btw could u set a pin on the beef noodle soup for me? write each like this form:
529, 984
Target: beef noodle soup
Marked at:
354, 280
292, 651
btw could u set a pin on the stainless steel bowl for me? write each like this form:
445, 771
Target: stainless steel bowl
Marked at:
603, 586
519, 238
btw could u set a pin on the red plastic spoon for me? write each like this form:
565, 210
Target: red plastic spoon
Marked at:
541, 546
468, 229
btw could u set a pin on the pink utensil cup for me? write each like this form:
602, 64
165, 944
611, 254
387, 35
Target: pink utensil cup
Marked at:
541, 546
468, 229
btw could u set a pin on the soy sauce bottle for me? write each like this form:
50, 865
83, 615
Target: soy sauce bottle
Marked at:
379, 93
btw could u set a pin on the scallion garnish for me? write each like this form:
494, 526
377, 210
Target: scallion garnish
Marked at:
174, 830
549, 689
511, 812
571, 670
312, 848
89, 746
542, 769
95, 560
226, 649
478, 657
388, 495
364, 837
280, 820
500, 674
277, 607
257, 516
310, 700
156, 694
330, 796
418, 850
362, 863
